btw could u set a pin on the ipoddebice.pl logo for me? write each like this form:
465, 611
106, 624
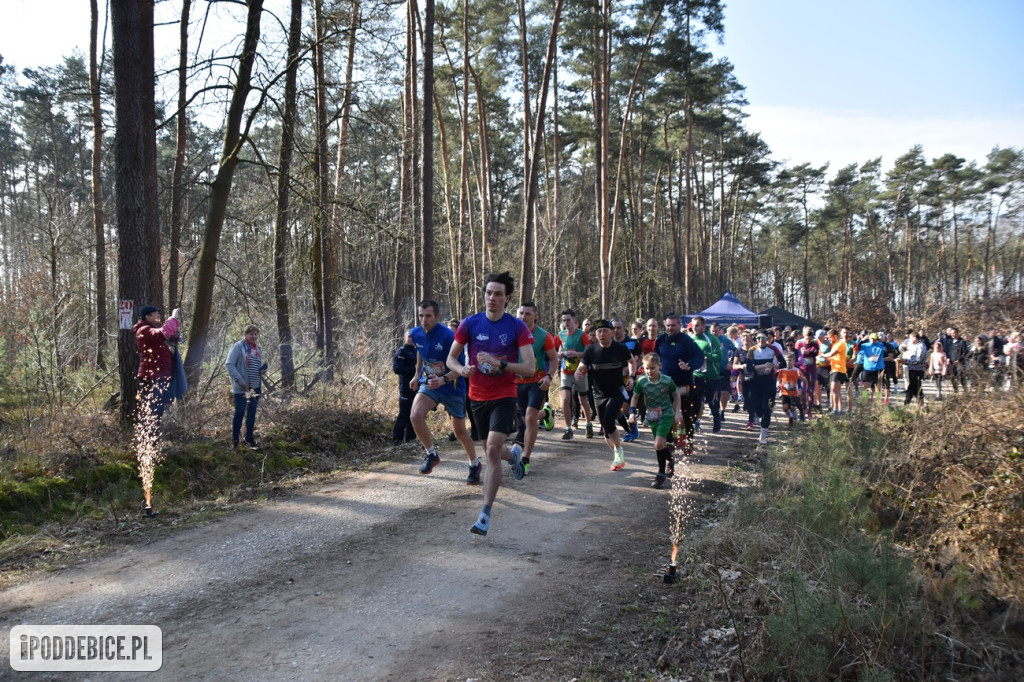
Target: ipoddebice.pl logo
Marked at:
104, 648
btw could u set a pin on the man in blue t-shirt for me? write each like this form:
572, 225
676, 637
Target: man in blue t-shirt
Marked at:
438, 385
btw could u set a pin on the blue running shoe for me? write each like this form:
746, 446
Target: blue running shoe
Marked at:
517, 462
634, 433
474, 473
481, 525
430, 461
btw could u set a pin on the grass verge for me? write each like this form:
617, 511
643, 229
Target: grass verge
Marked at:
883, 546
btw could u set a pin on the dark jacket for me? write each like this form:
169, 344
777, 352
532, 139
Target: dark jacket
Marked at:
404, 365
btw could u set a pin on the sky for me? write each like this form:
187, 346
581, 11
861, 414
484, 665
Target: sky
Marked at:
847, 82
827, 81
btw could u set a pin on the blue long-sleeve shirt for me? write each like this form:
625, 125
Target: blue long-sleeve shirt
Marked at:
678, 347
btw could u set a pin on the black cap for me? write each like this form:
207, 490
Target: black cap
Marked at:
601, 323
147, 310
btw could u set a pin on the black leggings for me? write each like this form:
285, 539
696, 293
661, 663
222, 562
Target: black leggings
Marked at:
762, 390
914, 379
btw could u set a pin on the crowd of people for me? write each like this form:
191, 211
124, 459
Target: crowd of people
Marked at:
492, 373
615, 377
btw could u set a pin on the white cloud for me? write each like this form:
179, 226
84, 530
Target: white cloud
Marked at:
842, 137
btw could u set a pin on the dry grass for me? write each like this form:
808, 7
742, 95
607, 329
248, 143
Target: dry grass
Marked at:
879, 547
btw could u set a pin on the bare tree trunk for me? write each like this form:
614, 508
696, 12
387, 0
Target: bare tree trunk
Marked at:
220, 191
338, 230
129, 159
620, 167
97, 190
283, 214
181, 141
531, 185
426, 283
323, 234
154, 265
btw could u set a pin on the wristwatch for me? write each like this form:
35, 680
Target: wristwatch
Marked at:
504, 364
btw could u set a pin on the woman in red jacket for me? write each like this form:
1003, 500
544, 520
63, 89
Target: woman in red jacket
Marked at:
156, 360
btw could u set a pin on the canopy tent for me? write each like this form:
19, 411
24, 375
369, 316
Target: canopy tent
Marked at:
728, 310
781, 316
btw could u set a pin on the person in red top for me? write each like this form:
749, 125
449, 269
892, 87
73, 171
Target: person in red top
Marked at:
498, 347
156, 361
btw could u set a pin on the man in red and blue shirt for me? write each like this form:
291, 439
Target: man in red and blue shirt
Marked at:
498, 347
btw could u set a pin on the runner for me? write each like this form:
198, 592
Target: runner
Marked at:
663, 412
729, 349
836, 357
438, 386
607, 363
809, 350
789, 388
571, 343
619, 335
532, 392
871, 357
680, 356
705, 379
762, 362
490, 338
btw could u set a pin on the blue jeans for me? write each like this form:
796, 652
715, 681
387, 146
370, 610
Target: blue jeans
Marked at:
244, 407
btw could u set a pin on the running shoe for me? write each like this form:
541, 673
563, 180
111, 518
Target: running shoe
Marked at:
548, 420
620, 460
659, 481
632, 435
750, 425
736, 407
567, 435
575, 423
474, 473
763, 440
482, 525
517, 463
718, 424
590, 430
430, 461
696, 426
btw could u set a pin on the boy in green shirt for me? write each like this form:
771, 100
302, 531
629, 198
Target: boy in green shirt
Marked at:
663, 412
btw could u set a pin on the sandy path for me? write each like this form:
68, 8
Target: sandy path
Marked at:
375, 576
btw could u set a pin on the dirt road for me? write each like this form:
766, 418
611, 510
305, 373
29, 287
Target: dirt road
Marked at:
375, 576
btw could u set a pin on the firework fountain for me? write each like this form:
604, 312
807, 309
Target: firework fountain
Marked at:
680, 505
147, 449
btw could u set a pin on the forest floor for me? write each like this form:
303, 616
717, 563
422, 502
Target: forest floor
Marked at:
375, 575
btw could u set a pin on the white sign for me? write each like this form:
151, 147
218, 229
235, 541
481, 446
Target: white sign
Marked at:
86, 647
124, 314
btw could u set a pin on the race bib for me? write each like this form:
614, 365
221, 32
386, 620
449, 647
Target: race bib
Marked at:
873, 358
435, 369
571, 364
654, 414
764, 369
808, 362
790, 386
684, 390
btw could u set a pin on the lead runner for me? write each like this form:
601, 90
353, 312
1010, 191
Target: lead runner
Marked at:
494, 342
